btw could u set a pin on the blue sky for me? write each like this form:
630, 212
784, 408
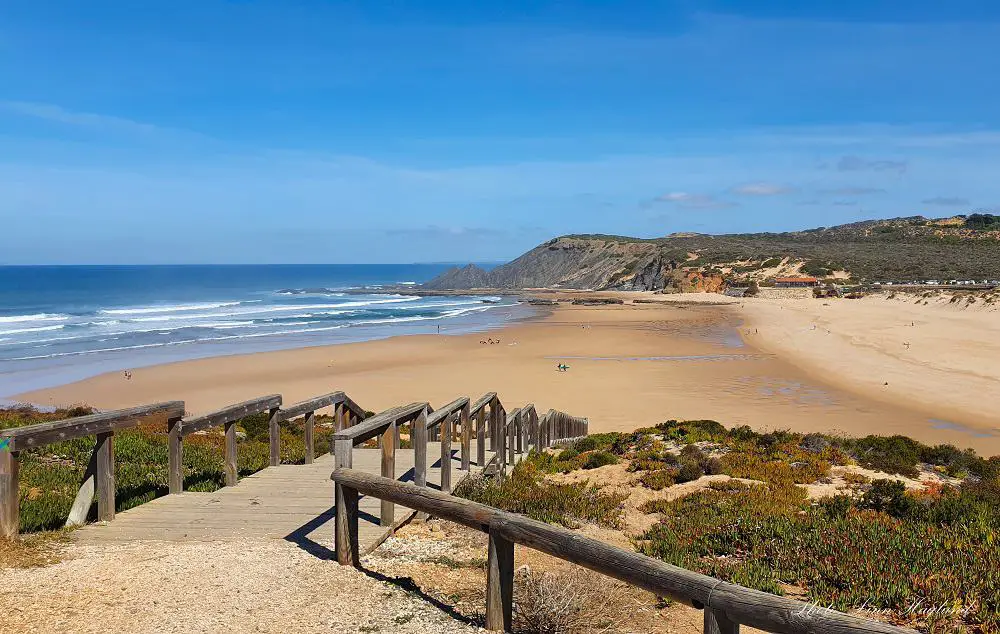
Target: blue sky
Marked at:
307, 131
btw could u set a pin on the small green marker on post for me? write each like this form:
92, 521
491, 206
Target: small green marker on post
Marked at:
4, 443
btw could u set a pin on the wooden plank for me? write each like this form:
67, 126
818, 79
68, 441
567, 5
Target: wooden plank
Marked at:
85, 495
310, 425
418, 438
31, 436
389, 443
105, 477
175, 456
311, 405
338, 421
481, 402
346, 501
10, 512
481, 438
232, 471
466, 422
374, 426
231, 413
274, 436
499, 583
716, 622
447, 431
440, 414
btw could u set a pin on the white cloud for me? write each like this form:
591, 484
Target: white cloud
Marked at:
694, 201
762, 189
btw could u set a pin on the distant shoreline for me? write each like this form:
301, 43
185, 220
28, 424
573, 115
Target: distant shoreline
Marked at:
630, 365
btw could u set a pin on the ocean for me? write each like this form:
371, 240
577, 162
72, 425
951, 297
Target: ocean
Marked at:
64, 323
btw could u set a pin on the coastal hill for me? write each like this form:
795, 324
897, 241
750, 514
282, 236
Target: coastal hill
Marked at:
897, 249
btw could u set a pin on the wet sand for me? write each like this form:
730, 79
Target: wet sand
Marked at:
630, 366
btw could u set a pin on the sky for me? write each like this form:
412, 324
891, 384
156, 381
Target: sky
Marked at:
299, 131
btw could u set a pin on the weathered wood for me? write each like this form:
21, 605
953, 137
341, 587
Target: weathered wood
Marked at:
439, 415
105, 477
232, 470
175, 456
311, 405
447, 431
389, 442
423, 499
31, 436
231, 413
716, 622
738, 604
310, 425
511, 430
338, 421
481, 402
418, 438
85, 496
501, 446
10, 512
466, 422
346, 502
375, 425
274, 436
499, 583
481, 438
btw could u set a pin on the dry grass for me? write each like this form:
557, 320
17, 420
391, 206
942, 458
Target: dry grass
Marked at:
572, 602
34, 550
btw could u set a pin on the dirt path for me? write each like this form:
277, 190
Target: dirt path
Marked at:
231, 586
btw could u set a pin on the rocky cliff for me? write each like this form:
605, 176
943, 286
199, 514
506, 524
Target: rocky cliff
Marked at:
898, 249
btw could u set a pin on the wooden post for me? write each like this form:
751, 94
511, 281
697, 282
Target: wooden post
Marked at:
232, 471
105, 476
466, 423
346, 500
501, 447
500, 583
535, 444
512, 439
494, 417
481, 438
418, 438
338, 419
274, 435
175, 456
389, 442
310, 425
519, 430
85, 496
10, 512
447, 430
716, 622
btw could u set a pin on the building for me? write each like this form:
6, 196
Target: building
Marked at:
795, 282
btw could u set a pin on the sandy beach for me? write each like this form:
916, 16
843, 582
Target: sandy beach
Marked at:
754, 362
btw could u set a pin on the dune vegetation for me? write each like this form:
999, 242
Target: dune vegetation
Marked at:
914, 542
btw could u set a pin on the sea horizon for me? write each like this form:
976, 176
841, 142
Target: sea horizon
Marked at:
64, 323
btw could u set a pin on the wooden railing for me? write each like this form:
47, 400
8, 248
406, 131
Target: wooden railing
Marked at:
351, 428
726, 606
100, 473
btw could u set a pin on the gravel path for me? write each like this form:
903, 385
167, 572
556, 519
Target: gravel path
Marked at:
230, 586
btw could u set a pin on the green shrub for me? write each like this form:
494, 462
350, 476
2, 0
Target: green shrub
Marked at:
599, 459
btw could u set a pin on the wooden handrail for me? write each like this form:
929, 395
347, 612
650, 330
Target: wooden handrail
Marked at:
100, 474
41, 434
311, 405
482, 402
440, 414
726, 605
230, 413
372, 427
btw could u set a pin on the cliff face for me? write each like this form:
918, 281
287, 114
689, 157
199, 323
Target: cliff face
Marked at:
579, 263
897, 249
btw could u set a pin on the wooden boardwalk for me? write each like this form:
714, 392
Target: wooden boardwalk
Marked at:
292, 502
